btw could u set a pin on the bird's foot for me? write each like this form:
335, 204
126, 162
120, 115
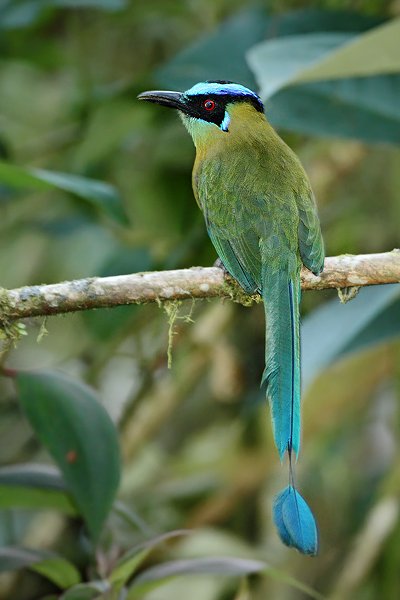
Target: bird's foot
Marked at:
218, 263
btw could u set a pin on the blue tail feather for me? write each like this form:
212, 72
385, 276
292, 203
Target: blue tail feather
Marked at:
295, 522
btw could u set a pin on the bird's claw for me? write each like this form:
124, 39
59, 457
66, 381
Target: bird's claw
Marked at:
218, 263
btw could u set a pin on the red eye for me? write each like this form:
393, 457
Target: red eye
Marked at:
209, 104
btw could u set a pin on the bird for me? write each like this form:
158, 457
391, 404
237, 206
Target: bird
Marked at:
261, 216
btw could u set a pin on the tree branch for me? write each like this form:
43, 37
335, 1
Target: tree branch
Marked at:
198, 282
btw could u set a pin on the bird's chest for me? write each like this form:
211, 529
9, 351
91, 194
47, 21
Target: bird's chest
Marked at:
224, 193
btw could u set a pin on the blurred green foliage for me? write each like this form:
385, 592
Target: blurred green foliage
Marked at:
94, 183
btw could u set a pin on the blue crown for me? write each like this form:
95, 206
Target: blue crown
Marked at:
221, 88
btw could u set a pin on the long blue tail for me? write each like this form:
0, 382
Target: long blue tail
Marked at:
281, 296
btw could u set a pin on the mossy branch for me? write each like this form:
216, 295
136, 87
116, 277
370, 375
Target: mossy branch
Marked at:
198, 282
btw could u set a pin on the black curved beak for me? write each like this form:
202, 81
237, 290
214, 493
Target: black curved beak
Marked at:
170, 99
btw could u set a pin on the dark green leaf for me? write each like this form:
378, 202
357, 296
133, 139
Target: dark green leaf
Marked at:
108, 5
364, 108
15, 15
98, 193
219, 55
311, 20
336, 329
70, 421
55, 568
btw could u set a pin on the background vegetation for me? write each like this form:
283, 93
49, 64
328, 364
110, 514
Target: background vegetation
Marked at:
195, 441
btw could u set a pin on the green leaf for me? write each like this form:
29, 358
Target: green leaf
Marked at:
35, 498
98, 193
281, 62
219, 565
20, 178
86, 591
101, 194
132, 560
58, 570
336, 329
374, 53
55, 568
34, 486
77, 431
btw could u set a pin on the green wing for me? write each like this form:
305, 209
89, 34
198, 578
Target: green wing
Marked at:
311, 245
241, 264
252, 222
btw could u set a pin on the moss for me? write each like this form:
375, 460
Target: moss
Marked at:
43, 330
10, 330
5, 305
348, 293
237, 294
172, 307
10, 333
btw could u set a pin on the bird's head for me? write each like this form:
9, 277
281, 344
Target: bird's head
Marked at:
211, 108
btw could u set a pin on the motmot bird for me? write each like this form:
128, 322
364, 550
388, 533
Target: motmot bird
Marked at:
261, 217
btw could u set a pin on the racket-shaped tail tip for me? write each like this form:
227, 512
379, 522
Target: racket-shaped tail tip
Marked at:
295, 522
